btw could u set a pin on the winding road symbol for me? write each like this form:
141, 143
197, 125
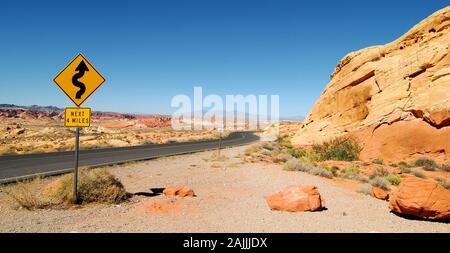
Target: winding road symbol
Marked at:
79, 79
81, 69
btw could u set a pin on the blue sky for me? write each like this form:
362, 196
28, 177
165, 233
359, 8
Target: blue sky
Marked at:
150, 51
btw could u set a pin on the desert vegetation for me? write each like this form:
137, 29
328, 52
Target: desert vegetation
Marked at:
443, 182
95, 186
339, 158
308, 161
339, 149
365, 189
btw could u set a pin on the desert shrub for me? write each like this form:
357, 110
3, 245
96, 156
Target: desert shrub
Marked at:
380, 182
418, 174
215, 157
253, 149
356, 177
445, 167
429, 167
393, 179
292, 164
281, 158
426, 163
334, 170
365, 189
378, 161
339, 148
296, 152
443, 182
269, 146
379, 171
94, 186
305, 167
317, 171
406, 170
266, 152
403, 164
284, 142
310, 158
353, 173
351, 170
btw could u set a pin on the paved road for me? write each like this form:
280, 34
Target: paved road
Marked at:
25, 166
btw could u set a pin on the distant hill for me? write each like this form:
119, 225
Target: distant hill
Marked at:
32, 107
293, 118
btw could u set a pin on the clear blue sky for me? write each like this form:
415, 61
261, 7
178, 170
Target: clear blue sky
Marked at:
150, 51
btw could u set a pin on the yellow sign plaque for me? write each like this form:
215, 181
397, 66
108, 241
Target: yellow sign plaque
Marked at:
77, 117
79, 80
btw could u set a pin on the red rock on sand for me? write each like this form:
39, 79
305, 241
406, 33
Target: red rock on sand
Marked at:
296, 198
380, 193
421, 198
180, 191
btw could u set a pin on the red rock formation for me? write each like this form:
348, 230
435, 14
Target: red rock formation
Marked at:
179, 191
296, 198
421, 198
380, 193
394, 98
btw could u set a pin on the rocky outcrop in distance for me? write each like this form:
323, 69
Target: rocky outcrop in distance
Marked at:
395, 99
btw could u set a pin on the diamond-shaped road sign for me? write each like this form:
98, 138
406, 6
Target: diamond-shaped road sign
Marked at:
79, 80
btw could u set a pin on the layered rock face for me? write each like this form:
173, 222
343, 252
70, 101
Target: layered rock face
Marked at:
394, 98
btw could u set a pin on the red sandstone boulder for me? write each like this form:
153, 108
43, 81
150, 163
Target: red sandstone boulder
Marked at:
180, 191
296, 198
380, 193
421, 198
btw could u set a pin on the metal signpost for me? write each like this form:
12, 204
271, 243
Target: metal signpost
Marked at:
220, 129
78, 80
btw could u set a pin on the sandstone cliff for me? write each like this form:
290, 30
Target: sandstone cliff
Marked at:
394, 98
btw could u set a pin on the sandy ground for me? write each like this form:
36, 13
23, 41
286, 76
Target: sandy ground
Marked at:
230, 198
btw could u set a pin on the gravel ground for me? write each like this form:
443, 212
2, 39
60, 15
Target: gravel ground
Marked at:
230, 198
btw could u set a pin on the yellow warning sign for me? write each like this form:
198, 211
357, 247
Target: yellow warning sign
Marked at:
77, 117
79, 80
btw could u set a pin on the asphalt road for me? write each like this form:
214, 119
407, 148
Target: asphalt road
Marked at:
16, 167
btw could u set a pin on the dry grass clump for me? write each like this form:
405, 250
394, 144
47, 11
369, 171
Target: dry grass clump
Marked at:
379, 171
215, 157
353, 173
28, 194
443, 182
294, 164
94, 186
380, 182
365, 189
417, 173
378, 161
267, 152
445, 167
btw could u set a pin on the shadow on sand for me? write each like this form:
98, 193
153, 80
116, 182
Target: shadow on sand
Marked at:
153, 192
412, 217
